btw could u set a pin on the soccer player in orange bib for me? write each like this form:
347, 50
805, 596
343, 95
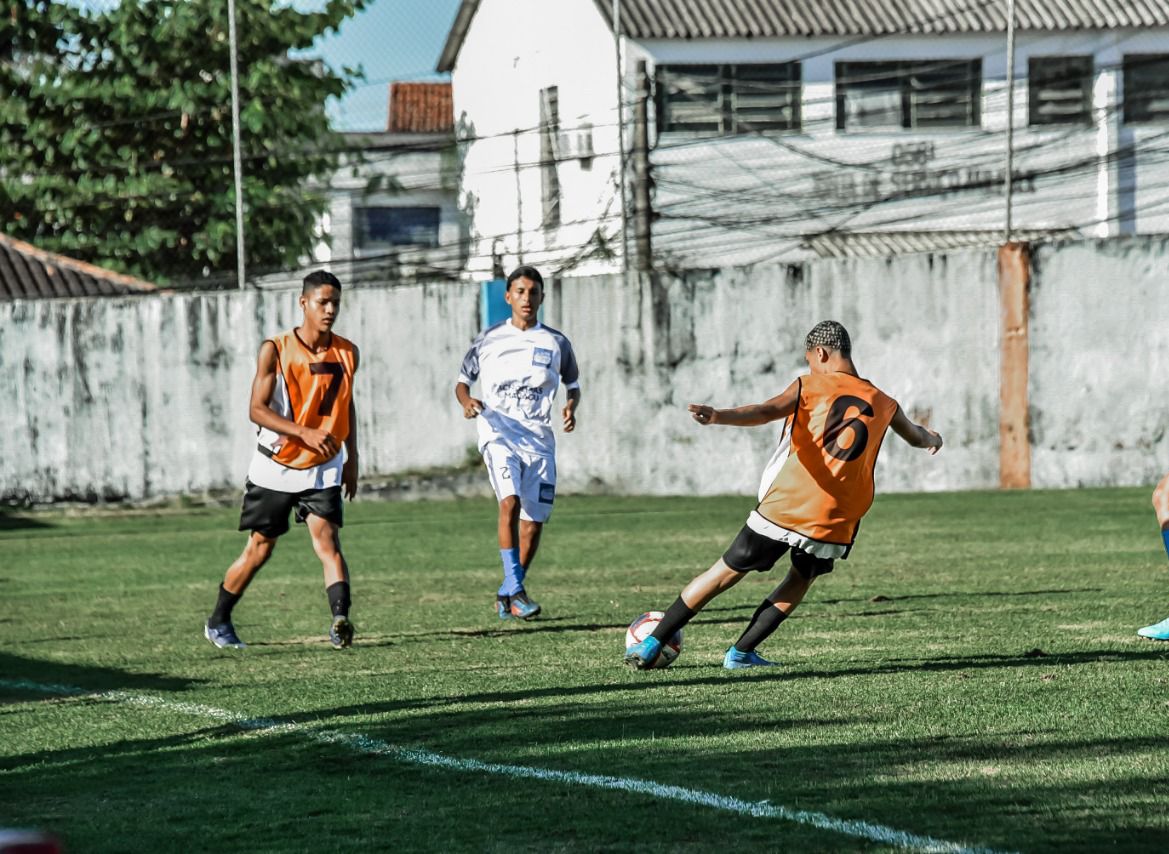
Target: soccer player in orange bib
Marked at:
813, 494
306, 454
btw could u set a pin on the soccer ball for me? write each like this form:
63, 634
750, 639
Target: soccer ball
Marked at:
643, 627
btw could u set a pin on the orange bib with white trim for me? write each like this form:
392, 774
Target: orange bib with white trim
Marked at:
825, 485
319, 389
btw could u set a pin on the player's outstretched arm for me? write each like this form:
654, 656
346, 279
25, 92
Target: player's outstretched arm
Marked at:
780, 406
321, 441
471, 406
915, 434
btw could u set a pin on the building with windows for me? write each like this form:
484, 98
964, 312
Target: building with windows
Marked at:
393, 211
787, 129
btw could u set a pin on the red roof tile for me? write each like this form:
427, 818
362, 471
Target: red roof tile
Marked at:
421, 108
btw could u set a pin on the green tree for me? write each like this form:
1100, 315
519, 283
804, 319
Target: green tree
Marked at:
115, 132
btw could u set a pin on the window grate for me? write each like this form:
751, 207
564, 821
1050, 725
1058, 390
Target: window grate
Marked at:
891, 95
1146, 88
724, 100
1059, 90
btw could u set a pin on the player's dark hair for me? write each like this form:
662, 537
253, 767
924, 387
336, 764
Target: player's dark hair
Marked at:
831, 335
317, 279
525, 271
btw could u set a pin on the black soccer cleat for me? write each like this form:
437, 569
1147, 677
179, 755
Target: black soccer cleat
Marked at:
341, 633
223, 636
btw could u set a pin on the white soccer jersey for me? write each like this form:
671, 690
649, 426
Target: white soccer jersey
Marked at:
518, 372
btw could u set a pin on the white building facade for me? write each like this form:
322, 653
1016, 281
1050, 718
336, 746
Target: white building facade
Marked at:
782, 129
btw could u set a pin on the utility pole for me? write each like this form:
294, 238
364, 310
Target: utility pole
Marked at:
642, 213
1010, 177
519, 196
621, 135
237, 158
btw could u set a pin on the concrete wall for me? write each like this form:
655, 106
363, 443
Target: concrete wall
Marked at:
133, 398
923, 329
1099, 362
147, 396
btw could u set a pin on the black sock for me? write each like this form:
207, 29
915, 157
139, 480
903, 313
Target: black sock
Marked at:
339, 598
764, 621
677, 615
223, 606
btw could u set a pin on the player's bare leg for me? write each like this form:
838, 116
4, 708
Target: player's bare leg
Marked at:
529, 541
255, 554
326, 537
1160, 631
509, 522
704, 587
1161, 502
219, 629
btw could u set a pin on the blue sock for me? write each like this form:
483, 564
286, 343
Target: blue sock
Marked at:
513, 572
1165, 539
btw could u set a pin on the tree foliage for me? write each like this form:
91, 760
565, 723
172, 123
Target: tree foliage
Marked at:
115, 132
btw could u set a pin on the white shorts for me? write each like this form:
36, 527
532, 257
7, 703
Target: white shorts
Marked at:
530, 477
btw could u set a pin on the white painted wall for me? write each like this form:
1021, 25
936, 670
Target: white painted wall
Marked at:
1099, 358
748, 200
736, 337
514, 49
147, 396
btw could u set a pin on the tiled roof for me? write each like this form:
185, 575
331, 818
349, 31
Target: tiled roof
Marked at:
714, 19
421, 108
710, 19
30, 273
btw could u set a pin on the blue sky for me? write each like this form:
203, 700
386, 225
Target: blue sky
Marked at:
391, 40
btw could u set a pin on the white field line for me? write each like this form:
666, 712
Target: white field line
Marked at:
414, 756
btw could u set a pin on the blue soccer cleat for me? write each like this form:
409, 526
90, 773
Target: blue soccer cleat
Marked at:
643, 655
223, 636
735, 660
503, 607
1157, 631
341, 633
523, 608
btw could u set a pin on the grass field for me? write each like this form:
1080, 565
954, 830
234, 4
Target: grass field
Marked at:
970, 675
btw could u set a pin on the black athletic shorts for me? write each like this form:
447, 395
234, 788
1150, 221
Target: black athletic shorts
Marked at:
266, 510
752, 552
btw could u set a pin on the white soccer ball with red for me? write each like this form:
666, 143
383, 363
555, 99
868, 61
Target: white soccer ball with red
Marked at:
643, 627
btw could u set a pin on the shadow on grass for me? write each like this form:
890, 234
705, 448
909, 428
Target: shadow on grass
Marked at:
1032, 658
86, 677
967, 594
10, 520
990, 789
98, 800
679, 677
